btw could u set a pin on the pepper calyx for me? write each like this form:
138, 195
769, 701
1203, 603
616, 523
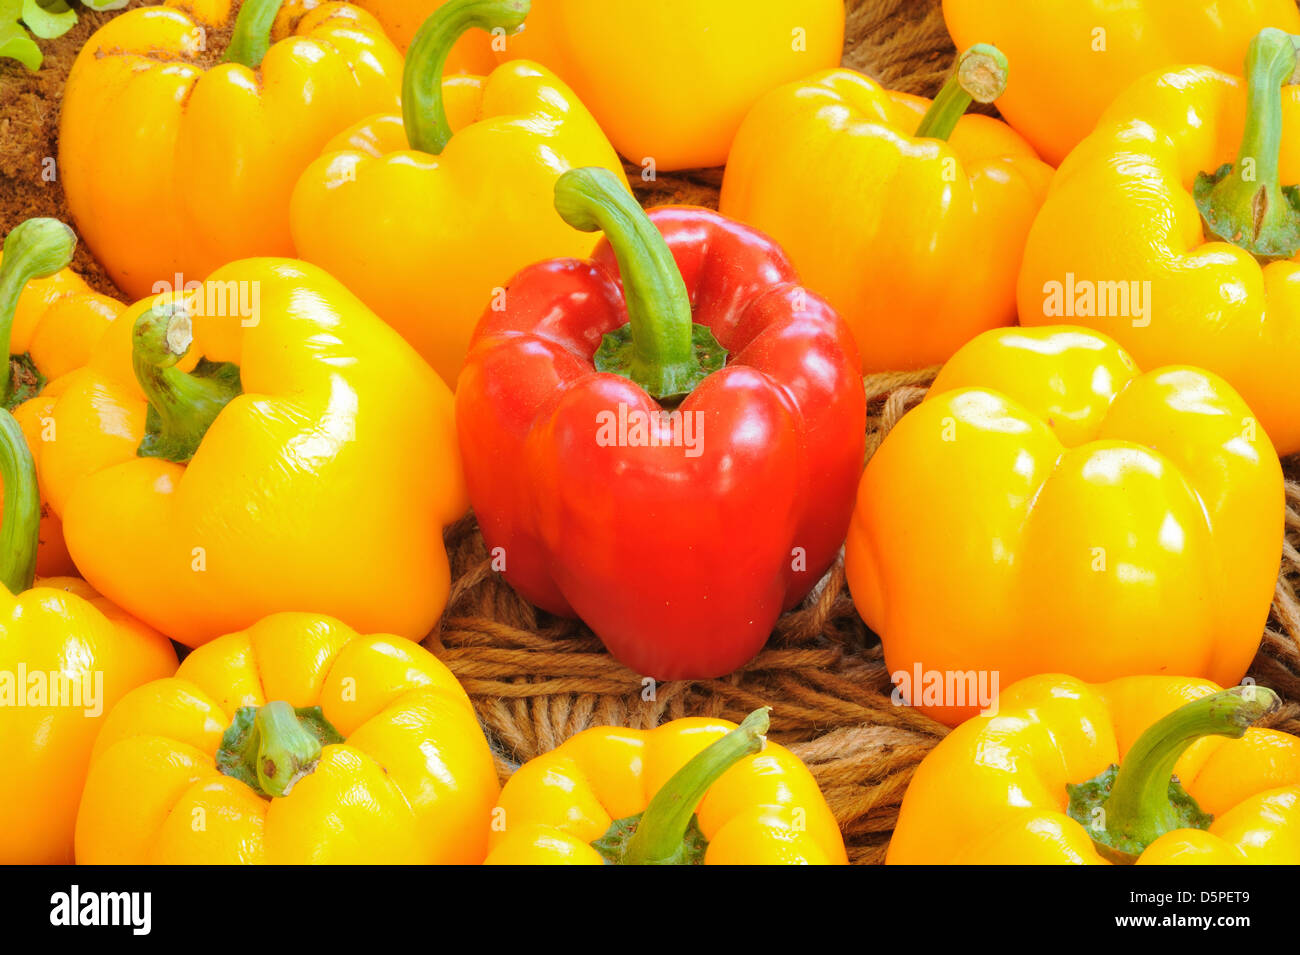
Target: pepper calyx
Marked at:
1127, 807
273, 746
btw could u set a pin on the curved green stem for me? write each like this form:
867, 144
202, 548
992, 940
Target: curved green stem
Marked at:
1141, 801
251, 37
271, 747
660, 347
980, 75
423, 113
34, 249
661, 831
20, 522
181, 406
1244, 202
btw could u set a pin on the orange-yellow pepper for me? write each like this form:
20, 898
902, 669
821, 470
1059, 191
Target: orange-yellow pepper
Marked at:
175, 163
52, 323
907, 216
1073, 57
1071, 772
691, 791
400, 19
294, 741
1169, 230
1048, 508
66, 656
670, 81
428, 215
260, 443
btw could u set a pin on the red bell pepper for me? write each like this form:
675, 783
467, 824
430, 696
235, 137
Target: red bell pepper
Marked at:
664, 440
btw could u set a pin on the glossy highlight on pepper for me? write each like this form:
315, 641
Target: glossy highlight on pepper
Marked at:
1092, 519
66, 656
1157, 770
216, 464
691, 792
427, 215
1173, 228
295, 741
176, 161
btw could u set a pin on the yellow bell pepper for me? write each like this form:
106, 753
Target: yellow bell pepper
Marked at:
1170, 229
691, 791
400, 19
258, 444
908, 216
174, 162
66, 656
1068, 772
50, 324
428, 215
294, 741
1048, 508
1073, 57
670, 81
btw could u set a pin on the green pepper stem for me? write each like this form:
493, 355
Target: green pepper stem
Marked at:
1244, 203
1139, 808
34, 249
285, 750
20, 522
182, 406
423, 113
660, 348
251, 37
979, 75
662, 828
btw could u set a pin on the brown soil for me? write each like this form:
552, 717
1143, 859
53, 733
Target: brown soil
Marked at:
29, 124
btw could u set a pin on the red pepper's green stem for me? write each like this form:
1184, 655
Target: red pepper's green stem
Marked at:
34, 249
662, 350
251, 37
980, 75
20, 522
1244, 203
181, 406
660, 833
423, 113
1139, 810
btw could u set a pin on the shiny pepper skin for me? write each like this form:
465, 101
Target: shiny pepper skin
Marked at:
58, 323
60, 626
766, 809
174, 165
1048, 508
914, 241
1072, 58
428, 241
680, 558
413, 783
993, 791
670, 81
325, 484
1120, 215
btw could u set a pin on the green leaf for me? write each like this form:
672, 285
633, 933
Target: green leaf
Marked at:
46, 24
104, 4
15, 44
